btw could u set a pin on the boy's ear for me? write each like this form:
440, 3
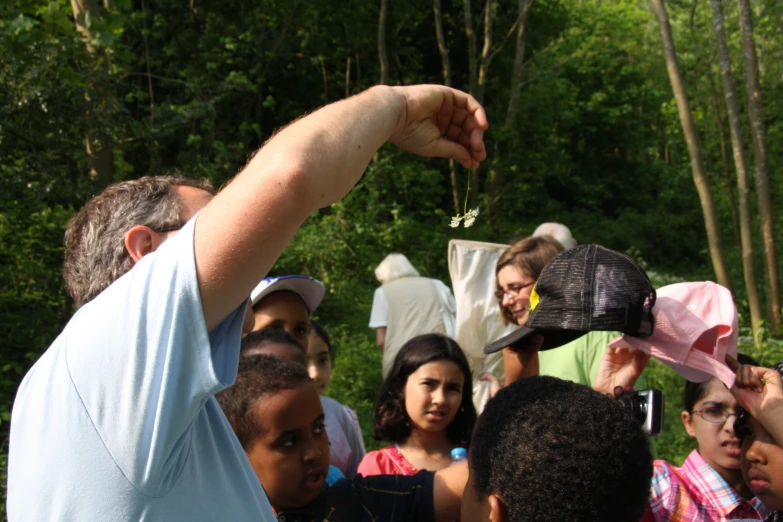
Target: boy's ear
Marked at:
687, 421
498, 510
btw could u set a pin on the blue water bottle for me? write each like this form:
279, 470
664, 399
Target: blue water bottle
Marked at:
458, 455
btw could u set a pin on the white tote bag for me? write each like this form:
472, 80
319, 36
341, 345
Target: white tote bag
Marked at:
478, 321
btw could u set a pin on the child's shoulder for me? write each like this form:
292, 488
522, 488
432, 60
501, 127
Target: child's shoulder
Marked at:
386, 461
370, 499
377, 497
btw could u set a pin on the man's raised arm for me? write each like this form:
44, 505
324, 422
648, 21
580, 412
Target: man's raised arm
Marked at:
313, 163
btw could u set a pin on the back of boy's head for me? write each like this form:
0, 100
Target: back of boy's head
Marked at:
265, 336
390, 416
556, 450
258, 375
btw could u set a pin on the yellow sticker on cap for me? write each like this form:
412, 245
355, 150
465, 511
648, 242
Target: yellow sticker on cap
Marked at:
534, 298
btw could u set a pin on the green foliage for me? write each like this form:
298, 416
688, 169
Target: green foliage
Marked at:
198, 86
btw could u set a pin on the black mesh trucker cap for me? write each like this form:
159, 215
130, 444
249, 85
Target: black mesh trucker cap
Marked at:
583, 289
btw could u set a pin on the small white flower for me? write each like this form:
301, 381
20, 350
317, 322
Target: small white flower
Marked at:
470, 217
455, 221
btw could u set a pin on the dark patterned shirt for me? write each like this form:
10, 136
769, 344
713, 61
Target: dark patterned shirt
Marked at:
380, 498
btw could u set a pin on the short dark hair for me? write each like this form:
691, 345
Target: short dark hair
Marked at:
530, 255
95, 253
556, 450
258, 375
391, 418
320, 332
695, 390
265, 336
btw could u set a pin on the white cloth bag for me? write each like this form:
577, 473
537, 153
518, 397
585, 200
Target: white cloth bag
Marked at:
478, 321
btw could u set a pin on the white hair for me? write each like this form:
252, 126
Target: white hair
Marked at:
558, 231
395, 266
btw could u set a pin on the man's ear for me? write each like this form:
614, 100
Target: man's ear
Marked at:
498, 510
140, 241
687, 421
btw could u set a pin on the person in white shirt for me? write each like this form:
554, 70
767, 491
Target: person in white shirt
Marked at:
407, 305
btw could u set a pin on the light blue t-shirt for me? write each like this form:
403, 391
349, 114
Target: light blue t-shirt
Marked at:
118, 419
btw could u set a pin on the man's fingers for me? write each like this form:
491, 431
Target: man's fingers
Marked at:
470, 104
477, 145
453, 150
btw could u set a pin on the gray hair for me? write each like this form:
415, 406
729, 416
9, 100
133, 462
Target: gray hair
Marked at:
95, 254
559, 232
394, 266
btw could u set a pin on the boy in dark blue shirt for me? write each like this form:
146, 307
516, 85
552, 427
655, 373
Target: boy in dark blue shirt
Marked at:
276, 413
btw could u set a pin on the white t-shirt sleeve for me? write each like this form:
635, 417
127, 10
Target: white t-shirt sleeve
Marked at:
449, 309
143, 363
379, 315
446, 297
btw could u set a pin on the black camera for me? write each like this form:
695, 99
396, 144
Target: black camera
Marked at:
647, 407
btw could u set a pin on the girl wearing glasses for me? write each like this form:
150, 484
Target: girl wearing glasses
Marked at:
709, 485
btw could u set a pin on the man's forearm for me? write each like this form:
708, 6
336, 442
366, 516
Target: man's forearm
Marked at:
308, 165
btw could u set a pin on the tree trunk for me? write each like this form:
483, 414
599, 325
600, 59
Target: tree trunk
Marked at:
442, 47
444, 58
97, 142
519, 60
760, 155
495, 177
481, 79
739, 163
706, 61
724, 155
382, 55
471, 35
694, 149
480, 88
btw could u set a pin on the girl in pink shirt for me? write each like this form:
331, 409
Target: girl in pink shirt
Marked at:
425, 408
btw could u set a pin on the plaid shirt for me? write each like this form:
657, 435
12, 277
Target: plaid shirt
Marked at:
696, 492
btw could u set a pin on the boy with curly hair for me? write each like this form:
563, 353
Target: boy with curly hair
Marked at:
545, 449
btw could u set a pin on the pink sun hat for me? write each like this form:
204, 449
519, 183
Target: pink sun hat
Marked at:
695, 328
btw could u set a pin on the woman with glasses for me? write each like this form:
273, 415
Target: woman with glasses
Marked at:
516, 272
709, 484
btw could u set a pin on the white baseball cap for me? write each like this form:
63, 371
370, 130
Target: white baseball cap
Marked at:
310, 290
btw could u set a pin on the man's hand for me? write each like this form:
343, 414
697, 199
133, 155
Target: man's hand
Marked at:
313, 163
441, 122
619, 368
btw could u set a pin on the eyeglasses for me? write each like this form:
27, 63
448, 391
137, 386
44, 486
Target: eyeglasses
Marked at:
169, 228
512, 292
715, 415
